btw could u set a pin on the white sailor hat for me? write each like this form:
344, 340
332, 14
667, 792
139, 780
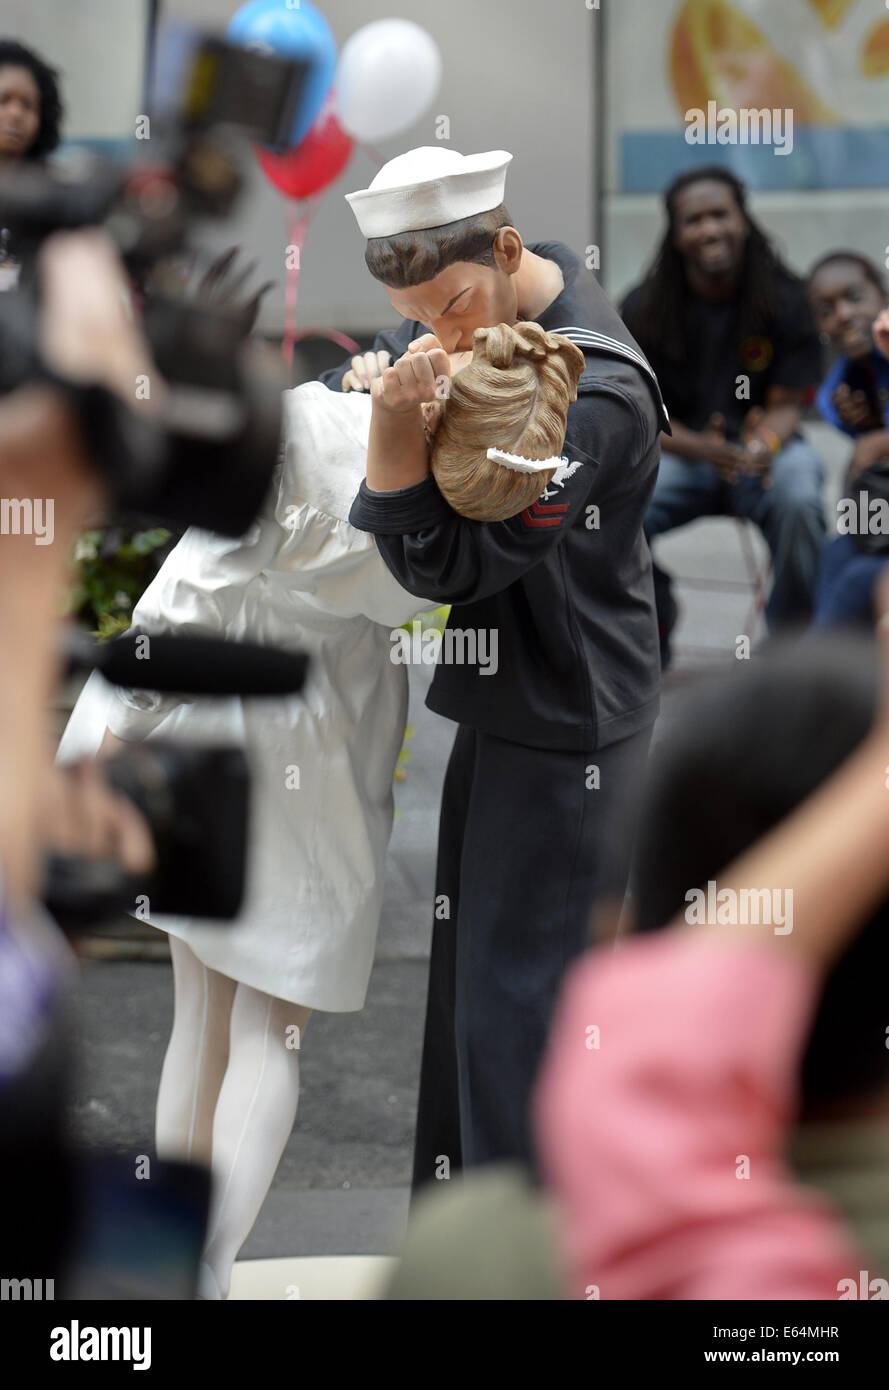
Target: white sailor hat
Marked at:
429, 187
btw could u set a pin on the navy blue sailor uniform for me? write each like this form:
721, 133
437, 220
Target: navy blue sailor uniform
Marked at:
549, 738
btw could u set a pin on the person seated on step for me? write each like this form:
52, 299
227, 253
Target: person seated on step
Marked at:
727, 328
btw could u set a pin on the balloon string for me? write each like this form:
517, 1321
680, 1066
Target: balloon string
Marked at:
341, 339
295, 243
297, 237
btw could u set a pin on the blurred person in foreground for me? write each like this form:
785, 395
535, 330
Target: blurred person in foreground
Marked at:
848, 294
84, 335
725, 1135
712, 1115
729, 333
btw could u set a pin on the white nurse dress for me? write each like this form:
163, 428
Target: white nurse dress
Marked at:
322, 762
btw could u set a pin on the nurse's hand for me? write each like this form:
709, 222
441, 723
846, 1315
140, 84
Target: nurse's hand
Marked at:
366, 368
419, 377
428, 342
425, 343
431, 411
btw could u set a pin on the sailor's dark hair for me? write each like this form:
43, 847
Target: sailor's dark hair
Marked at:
16, 55
412, 258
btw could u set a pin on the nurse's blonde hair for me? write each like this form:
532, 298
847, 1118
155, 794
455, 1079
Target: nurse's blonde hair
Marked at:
514, 396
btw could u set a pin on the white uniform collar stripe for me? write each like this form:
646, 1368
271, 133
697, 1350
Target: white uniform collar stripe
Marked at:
602, 339
590, 338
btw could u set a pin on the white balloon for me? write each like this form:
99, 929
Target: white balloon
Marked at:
388, 74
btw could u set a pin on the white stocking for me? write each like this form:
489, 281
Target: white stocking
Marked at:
255, 1112
196, 1058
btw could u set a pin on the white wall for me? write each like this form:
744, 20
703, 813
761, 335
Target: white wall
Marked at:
98, 45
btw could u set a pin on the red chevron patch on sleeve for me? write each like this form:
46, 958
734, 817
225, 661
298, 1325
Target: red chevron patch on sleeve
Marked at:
544, 514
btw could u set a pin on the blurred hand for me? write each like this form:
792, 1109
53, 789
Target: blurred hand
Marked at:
881, 614
881, 332
729, 460
366, 368
81, 814
854, 409
869, 449
86, 329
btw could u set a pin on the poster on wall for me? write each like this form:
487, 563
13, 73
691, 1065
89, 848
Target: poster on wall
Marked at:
790, 94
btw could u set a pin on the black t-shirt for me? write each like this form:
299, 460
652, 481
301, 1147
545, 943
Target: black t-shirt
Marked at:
786, 354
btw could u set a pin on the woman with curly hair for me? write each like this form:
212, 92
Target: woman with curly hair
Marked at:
30, 105
30, 121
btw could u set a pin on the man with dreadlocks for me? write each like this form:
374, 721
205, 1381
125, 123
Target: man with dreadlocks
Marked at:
729, 333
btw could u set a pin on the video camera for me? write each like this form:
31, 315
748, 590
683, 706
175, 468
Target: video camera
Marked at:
207, 456
204, 458
195, 800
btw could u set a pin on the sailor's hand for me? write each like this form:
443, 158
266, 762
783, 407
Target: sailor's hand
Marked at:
428, 342
366, 368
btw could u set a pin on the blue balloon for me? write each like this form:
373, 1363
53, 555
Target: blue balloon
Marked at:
298, 32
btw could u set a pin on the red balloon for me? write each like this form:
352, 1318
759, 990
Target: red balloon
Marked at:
314, 162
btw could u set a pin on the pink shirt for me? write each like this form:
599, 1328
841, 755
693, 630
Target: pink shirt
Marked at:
662, 1134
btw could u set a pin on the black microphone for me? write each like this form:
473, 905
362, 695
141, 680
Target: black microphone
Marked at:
188, 665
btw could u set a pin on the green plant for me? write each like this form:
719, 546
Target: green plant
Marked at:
404, 756
112, 569
437, 618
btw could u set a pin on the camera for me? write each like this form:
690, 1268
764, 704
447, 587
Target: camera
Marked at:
195, 802
206, 456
